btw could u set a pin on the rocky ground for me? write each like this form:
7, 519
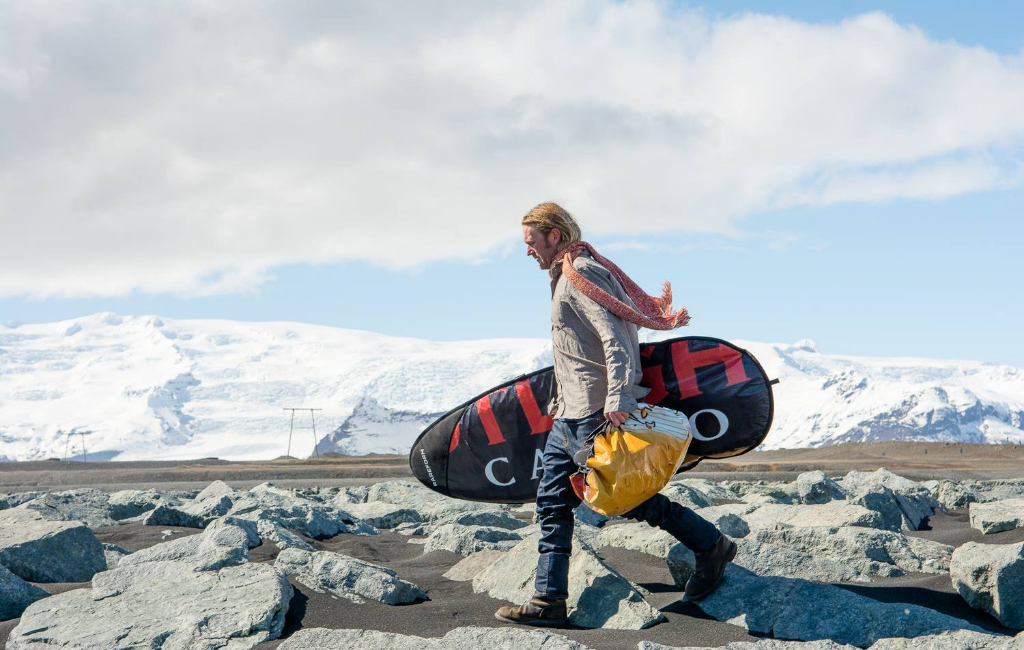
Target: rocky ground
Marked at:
853, 556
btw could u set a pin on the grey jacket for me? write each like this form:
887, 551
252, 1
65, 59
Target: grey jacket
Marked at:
597, 354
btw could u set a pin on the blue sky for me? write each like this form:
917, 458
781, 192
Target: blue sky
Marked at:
869, 247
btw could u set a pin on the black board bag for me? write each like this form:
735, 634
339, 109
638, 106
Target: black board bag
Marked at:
489, 448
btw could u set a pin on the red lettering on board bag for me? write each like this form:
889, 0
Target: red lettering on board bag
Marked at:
455, 438
654, 380
686, 363
538, 423
491, 428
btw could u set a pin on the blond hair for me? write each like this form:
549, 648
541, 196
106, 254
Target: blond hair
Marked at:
549, 216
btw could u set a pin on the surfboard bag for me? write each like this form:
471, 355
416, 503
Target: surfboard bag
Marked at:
623, 466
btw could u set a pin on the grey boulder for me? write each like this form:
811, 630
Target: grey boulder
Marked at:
380, 514
280, 536
465, 540
790, 608
212, 502
296, 513
347, 577
956, 640
221, 544
871, 552
687, 496
40, 550
461, 638
113, 553
598, 596
16, 595
828, 515
997, 516
891, 495
954, 495
91, 507
990, 577
814, 487
161, 605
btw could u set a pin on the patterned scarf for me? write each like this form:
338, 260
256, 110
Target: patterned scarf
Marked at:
654, 313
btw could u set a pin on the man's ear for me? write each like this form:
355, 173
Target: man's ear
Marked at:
556, 236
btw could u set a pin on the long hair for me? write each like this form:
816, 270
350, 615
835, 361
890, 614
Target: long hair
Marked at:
549, 216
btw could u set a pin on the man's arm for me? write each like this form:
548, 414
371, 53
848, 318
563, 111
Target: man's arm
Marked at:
621, 361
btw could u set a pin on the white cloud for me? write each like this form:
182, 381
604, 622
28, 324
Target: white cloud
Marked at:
190, 147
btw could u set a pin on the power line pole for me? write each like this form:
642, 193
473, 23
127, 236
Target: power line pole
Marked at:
291, 427
83, 433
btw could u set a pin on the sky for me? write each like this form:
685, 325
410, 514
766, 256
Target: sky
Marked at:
851, 173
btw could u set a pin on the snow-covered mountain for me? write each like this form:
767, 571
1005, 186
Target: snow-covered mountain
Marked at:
151, 388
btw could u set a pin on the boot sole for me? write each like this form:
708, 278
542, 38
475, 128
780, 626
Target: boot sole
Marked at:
537, 622
730, 555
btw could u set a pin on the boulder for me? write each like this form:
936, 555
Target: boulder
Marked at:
88, 506
281, 537
465, 540
347, 577
127, 504
39, 550
681, 563
764, 644
686, 496
814, 487
17, 498
461, 638
777, 492
220, 545
356, 494
732, 525
871, 552
791, 608
164, 515
212, 502
493, 518
636, 537
598, 596
954, 495
296, 513
113, 553
990, 577
997, 516
16, 595
770, 560
380, 514
999, 490
957, 640
160, 605
828, 515
912, 501
713, 491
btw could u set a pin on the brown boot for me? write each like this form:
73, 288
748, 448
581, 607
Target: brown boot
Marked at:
538, 611
709, 569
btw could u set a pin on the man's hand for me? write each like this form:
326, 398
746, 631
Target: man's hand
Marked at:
617, 417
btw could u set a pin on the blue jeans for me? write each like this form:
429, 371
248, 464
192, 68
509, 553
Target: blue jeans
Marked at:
556, 501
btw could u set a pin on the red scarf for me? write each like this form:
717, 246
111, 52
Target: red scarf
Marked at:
654, 313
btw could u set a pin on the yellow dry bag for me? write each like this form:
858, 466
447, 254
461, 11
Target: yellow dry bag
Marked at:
621, 467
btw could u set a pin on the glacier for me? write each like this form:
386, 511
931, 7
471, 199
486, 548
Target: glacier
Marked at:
151, 388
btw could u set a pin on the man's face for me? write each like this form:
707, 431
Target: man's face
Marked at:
539, 247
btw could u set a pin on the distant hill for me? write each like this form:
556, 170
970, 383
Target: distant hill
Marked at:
152, 389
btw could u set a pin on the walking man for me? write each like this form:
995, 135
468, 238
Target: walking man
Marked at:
595, 311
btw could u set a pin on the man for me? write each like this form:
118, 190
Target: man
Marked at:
597, 370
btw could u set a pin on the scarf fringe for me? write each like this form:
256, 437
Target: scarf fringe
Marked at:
652, 313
